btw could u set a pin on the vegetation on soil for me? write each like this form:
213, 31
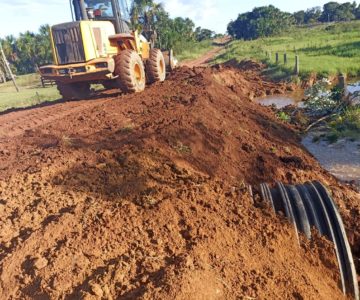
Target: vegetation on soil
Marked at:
321, 100
344, 120
194, 50
268, 20
31, 93
346, 125
326, 49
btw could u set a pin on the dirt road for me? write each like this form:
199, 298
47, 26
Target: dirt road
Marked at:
17, 122
145, 196
208, 57
204, 60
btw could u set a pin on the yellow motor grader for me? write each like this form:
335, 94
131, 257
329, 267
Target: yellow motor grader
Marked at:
99, 47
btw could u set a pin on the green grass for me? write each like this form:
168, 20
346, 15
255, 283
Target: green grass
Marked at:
324, 49
346, 125
31, 93
193, 50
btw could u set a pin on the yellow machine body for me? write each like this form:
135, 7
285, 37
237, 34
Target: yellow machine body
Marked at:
85, 51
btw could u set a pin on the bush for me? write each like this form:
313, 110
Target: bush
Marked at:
321, 101
349, 120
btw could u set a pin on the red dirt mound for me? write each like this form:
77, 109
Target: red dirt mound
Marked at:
145, 196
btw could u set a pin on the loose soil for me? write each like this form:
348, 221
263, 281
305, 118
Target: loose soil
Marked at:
146, 196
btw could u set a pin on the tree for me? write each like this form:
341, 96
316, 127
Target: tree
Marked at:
143, 14
30, 50
299, 17
346, 12
329, 13
335, 12
261, 22
149, 17
203, 34
313, 15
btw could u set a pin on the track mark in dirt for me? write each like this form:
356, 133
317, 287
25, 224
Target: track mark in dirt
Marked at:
16, 123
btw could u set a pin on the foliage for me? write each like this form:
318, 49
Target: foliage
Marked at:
283, 116
30, 50
350, 119
261, 22
323, 51
269, 21
335, 12
345, 125
202, 34
312, 15
178, 33
321, 101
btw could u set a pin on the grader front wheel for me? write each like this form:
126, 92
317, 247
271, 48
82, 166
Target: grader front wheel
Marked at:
156, 68
130, 71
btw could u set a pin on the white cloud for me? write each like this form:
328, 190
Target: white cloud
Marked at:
204, 13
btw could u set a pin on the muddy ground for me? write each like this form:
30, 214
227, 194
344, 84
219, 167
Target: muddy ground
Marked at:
146, 196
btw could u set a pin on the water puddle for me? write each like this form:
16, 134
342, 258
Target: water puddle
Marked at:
353, 87
281, 101
342, 159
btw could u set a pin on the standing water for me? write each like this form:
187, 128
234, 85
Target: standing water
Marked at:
342, 159
280, 101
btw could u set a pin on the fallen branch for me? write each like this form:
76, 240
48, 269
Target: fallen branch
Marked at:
319, 121
334, 113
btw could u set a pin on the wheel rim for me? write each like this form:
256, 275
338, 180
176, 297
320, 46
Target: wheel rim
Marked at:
137, 72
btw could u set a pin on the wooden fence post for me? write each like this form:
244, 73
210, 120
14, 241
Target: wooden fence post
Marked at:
297, 65
2, 76
343, 83
7, 66
277, 57
285, 59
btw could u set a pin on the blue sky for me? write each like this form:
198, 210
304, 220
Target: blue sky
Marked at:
21, 15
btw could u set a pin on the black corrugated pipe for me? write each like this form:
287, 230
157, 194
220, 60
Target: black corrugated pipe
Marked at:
311, 205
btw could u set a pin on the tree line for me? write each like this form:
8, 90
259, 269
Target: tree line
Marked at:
269, 20
30, 50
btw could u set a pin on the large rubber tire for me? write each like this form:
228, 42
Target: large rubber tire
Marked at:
74, 91
130, 71
156, 67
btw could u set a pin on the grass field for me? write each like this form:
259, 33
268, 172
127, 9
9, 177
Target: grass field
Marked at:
326, 49
31, 93
194, 50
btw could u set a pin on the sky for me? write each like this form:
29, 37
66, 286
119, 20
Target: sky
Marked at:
21, 15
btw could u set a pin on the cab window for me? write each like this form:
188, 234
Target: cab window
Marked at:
102, 8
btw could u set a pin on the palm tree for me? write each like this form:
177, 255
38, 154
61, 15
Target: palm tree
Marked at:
143, 14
